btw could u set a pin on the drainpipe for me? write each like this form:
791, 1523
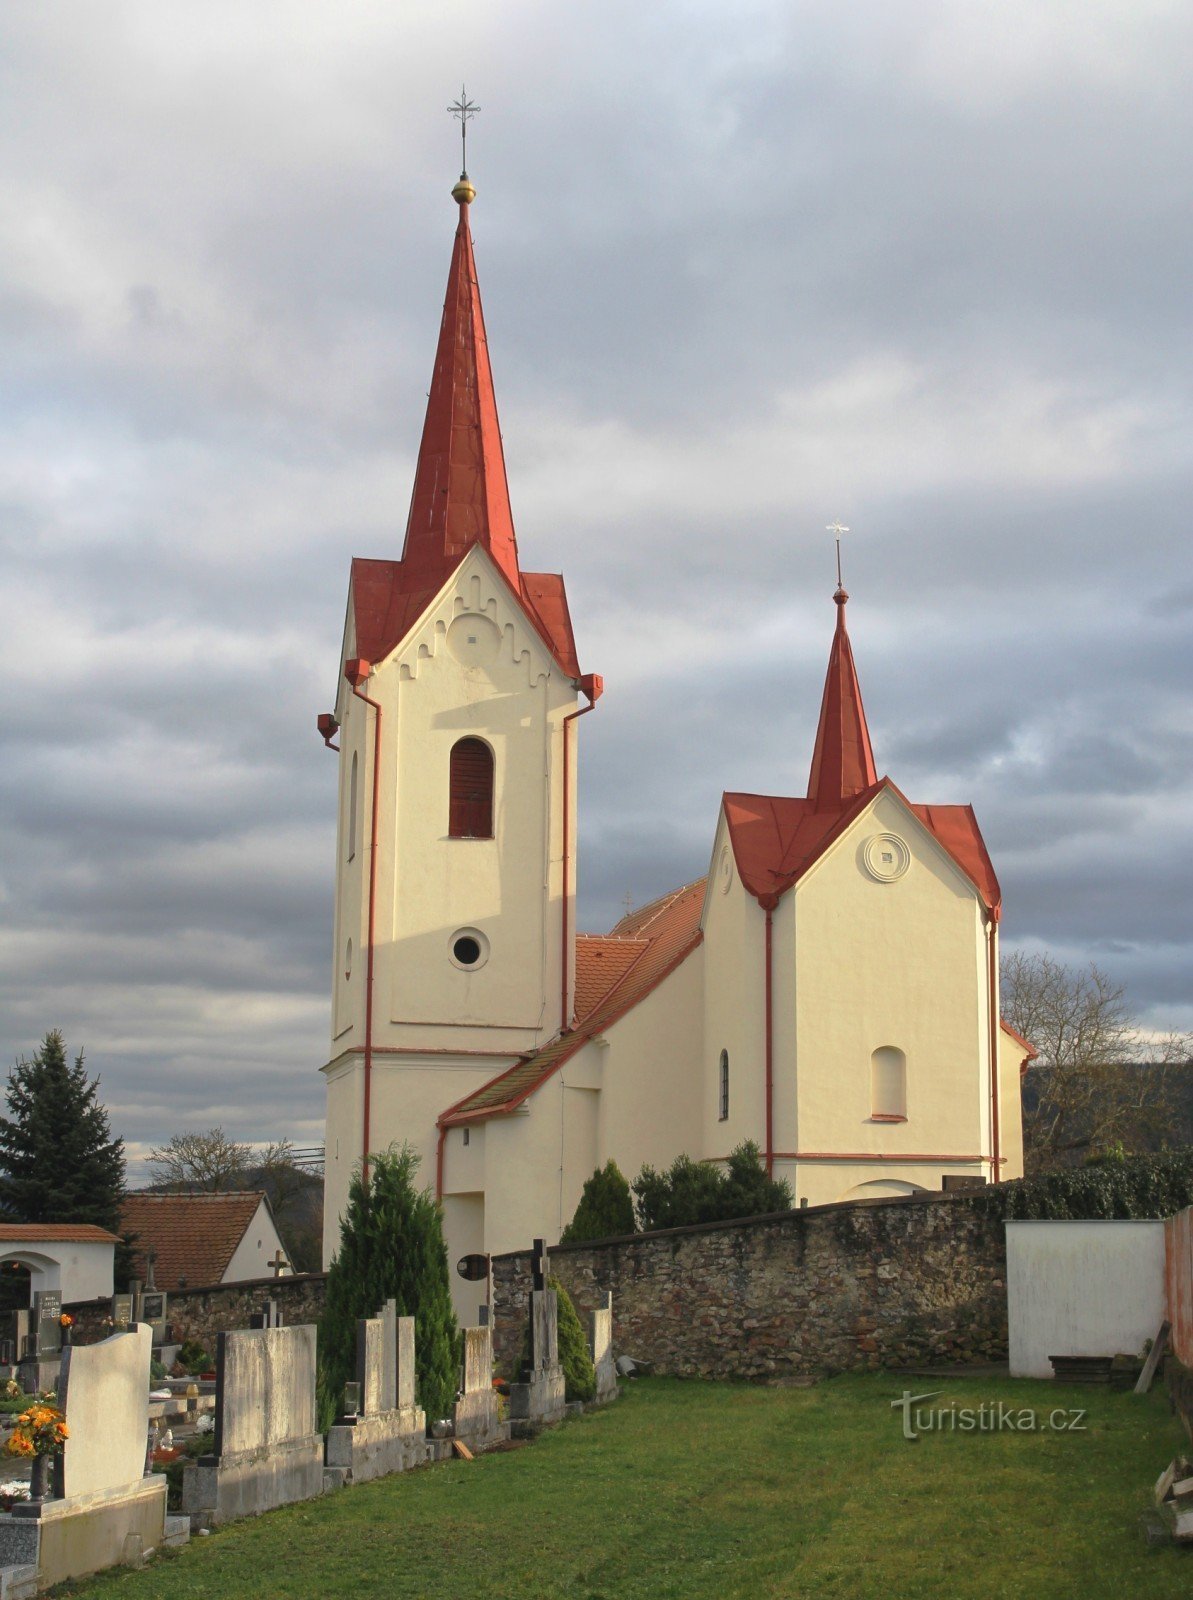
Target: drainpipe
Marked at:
768, 906
992, 1007
593, 686
357, 672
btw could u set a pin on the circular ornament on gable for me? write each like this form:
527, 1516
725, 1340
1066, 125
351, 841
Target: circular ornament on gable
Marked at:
886, 857
725, 870
473, 640
468, 949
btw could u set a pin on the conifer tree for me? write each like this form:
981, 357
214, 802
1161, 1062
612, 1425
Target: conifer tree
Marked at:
606, 1208
58, 1160
391, 1247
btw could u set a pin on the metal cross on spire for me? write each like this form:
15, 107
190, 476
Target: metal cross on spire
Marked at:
465, 110
837, 529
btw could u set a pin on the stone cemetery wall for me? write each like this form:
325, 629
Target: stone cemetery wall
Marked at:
202, 1313
857, 1285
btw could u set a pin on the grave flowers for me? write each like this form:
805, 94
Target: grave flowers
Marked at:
66, 1322
39, 1435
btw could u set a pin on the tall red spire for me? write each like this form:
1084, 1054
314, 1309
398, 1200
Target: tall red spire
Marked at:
842, 762
460, 497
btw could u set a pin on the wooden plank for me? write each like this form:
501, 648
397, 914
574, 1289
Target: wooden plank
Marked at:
462, 1450
1165, 1482
1159, 1344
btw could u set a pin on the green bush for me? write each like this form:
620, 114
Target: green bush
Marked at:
606, 1208
391, 1247
579, 1374
194, 1358
1112, 1186
701, 1191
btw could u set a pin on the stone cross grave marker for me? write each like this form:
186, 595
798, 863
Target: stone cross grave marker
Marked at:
539, 1265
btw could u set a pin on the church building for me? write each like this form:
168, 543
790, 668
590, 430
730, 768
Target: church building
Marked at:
829, 989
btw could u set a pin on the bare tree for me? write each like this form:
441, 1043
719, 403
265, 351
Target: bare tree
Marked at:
1099, 1084
200, 1162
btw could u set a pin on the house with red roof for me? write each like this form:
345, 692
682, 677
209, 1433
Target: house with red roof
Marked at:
829, 987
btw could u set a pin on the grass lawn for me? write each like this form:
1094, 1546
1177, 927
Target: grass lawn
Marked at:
718, 1489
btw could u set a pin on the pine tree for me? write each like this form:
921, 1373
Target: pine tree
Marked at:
58, 1160
606, 1208
700, 1191
391, 1247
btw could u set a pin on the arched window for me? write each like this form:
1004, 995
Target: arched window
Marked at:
723, 1089
888, 1085
470, 812
352, 810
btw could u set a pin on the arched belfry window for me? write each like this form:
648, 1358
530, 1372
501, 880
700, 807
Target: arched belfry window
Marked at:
888, 1084
723, 1088
470, 810
352, 806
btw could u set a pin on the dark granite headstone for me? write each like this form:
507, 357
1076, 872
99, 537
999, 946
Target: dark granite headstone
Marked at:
47, 1309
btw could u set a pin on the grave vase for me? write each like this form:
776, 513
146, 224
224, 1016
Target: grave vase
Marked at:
39, 1480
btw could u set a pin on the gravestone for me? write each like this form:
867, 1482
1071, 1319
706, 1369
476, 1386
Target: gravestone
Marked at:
269, 1316
538, 1399
476, 1418
267, 1451
600, 1346
388, 1432
122, 1311
108, 1508
153, 1311
47, 1309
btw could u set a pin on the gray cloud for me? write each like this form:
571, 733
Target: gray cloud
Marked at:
743, 272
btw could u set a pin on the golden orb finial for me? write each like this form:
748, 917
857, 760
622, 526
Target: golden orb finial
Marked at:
464, 192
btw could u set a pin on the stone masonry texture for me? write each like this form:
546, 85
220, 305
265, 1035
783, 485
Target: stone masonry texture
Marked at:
202, 1313
848, 1287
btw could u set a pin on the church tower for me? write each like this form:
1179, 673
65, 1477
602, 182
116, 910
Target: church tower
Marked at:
455, 869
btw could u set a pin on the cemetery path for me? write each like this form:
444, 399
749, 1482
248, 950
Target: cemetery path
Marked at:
691, 1489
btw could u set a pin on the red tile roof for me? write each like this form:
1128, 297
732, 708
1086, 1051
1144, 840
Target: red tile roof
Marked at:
193, 1236
643, 949
55, 1232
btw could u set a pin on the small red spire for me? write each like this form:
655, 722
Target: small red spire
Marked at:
460, 497
843, 761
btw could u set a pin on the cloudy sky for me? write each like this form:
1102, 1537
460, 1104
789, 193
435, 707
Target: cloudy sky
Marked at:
925, 268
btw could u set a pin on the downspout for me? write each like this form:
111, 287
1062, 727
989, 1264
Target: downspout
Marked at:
439, 1161
992, 1007
768, 1030
357, 672
593, 686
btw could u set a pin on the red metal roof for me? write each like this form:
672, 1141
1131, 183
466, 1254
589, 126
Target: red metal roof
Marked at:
461, 497
842, 760
194, 1236
776, 839
640, 952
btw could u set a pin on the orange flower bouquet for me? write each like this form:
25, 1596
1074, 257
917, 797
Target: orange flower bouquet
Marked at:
40, 1431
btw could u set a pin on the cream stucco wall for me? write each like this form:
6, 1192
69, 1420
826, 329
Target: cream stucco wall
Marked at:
900, 964
1010, 1104
734, 1007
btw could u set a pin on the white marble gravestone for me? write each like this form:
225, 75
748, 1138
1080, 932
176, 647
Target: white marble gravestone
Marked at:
110, 1508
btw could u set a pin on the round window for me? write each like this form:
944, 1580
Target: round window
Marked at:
468, 948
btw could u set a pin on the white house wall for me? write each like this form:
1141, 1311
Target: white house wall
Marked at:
1081, 1289
254, 1255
